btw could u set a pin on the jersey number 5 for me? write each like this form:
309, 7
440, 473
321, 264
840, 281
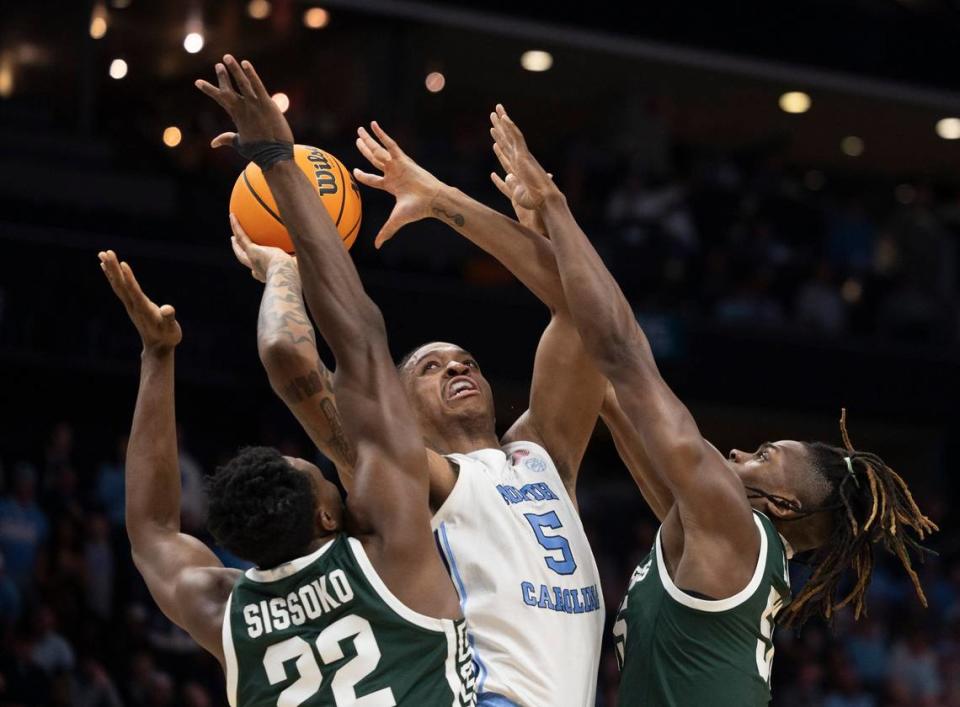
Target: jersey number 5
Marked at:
565, 564
345, 679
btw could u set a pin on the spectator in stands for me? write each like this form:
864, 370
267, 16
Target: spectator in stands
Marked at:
110, 484
23, 527
10, 602
914, 671
50, 650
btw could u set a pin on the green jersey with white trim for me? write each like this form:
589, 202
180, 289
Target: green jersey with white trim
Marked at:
324, 631
676, 649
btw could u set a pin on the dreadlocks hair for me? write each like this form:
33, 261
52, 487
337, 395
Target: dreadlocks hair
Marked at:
870, 504
261, 508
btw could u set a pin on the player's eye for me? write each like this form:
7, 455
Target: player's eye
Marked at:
430, 365
763, 454
471, 363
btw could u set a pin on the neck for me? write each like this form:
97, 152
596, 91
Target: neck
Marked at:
805, 534
463, 437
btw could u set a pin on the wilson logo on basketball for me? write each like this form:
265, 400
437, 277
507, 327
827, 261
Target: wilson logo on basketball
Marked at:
323, 173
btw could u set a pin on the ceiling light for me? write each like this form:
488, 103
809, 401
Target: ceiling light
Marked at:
536, 60
172, 136
118, 69
852, 146
949, 128
435, 82
282, 100
316, 18
193, 42
795, 102
258, 9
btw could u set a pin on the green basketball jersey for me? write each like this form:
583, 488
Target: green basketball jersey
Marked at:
324, 631
676, 649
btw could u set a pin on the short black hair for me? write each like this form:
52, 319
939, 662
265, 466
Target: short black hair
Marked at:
261, 508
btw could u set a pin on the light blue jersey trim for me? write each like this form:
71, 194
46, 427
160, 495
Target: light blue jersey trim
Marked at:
491, 699
462, 590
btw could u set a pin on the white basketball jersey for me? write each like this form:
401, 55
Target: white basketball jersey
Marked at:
526, 576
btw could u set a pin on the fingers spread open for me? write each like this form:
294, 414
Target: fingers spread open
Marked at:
223, 78
223, 140
239, 78
371, 180
367, 152
254, 78
380, 154
388, 142
212, 91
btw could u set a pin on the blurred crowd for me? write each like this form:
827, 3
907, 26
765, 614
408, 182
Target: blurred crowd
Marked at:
78, 627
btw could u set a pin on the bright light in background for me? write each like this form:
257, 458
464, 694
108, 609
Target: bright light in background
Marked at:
118, 69
435, 82
193, 42
852, 146
172, 136
795, 102
98, 21
258, 9
316, 18
536, 60
282, 100
949, 128
6, 75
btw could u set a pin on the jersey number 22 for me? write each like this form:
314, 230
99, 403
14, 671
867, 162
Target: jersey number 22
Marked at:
345, 679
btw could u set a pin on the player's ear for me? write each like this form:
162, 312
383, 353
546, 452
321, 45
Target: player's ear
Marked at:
326, 521
787, 505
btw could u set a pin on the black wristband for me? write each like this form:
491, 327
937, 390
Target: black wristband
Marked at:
264, 154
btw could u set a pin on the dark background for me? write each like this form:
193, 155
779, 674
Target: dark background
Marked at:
778, 278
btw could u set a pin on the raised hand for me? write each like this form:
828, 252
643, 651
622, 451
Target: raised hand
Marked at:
412, 185
258, 258
247, 102
157, 326
526, 184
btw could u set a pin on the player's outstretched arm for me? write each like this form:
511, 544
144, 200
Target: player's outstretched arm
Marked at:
709, 496
566, 389
389, 499
185, 578
287, 346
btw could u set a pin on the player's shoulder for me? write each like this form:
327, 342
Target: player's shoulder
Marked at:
529, 455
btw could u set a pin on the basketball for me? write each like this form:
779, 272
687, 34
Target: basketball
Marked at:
257, 212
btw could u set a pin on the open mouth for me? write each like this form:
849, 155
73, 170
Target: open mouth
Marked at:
461, 387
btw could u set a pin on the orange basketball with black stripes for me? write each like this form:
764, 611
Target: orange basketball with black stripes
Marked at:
255, 208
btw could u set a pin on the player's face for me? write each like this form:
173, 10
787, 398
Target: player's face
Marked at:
443, 381
329, 500
770, 467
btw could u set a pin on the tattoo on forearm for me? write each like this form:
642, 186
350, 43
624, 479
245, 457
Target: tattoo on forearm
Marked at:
456, 219
303, 387
282, 312
320, 382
